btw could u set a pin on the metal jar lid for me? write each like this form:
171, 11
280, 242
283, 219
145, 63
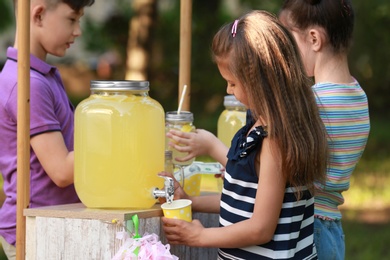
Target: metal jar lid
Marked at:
231, 101
184, 116
119, 85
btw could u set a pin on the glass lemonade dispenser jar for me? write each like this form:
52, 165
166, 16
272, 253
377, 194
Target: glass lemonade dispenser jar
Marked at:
119, 145
231, 119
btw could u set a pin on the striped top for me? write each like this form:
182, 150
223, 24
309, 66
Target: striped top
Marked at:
344, 111
293, 238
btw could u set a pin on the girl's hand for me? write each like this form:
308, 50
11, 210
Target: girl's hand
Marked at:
180, 232
222, 174
193, 143
179, 191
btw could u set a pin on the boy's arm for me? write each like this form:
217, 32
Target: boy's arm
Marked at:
54, 156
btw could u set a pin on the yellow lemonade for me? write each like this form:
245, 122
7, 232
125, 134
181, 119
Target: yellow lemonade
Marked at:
176, 153
232, 119
229, 123
181, 122
119, 149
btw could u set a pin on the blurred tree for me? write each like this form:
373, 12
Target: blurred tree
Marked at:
271, 6
7, 14
108, 38
140, 39
206, 84
370, 55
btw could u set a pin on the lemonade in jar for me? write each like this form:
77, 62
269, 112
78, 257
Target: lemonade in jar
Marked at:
119, 145
232, 119
182, 121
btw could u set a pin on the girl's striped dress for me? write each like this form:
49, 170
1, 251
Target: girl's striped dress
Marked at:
293, 238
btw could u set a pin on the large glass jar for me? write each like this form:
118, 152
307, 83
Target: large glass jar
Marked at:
119, 145
231, 119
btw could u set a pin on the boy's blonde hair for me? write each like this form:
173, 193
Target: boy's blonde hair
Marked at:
263, 56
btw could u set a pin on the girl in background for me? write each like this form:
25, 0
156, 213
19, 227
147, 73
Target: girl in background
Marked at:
323, 32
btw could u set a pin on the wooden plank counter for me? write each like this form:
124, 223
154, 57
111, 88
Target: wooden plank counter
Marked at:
73, 231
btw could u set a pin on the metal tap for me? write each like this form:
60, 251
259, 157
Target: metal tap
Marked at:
167, 191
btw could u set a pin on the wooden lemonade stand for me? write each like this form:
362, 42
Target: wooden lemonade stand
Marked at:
73, 231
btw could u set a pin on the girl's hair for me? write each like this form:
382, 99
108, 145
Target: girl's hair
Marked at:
263, 56
76, 5
335, 16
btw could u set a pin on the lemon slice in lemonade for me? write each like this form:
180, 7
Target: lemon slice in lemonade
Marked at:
186, 128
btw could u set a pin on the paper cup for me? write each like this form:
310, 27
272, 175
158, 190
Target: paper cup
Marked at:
192, 185
192, 180
178, 209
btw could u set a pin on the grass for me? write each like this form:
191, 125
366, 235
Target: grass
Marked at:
366, 241
366, 212
371, 178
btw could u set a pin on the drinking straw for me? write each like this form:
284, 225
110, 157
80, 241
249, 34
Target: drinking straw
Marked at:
182, 99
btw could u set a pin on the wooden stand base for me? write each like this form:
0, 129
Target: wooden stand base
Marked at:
75, 232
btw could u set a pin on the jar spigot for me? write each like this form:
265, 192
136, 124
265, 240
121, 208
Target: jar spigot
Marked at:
168, 190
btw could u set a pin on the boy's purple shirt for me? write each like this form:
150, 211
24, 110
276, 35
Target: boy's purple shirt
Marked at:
50, 110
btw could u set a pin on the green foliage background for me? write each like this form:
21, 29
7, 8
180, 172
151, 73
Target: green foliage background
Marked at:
369, 63
369, 57
6, 14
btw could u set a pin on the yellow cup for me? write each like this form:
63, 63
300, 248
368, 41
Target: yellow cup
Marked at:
191, 183
178, 209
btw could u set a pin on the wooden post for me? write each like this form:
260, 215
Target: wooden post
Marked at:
23, 123
185, 51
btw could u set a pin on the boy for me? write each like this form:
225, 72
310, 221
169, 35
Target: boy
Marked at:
54, 25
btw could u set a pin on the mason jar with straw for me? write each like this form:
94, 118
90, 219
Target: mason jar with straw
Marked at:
180, 121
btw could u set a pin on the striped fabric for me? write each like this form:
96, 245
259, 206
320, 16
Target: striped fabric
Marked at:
293, 238
344, 111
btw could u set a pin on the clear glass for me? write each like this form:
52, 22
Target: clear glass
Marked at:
182, 122
119, 146
168, 162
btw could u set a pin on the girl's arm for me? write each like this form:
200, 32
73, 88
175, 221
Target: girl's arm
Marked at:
205, 203
259, 229
197, 143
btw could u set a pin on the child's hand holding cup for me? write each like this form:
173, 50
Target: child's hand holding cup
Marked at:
178, 209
